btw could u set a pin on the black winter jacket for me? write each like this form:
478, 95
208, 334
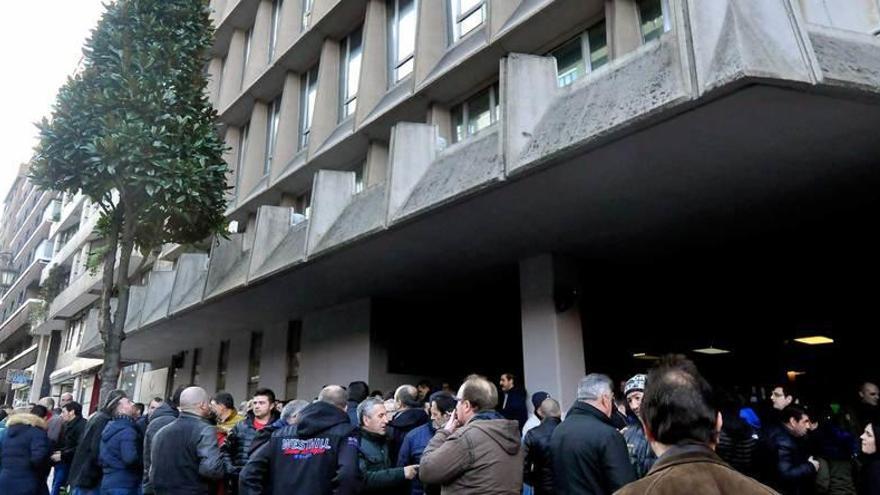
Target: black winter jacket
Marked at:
161, 417
242, 435
380, 474
512, 405
24, 456
186, 458
70, 435
403, 423
538, 460
788, 469
589, 455
85, 471
318, 456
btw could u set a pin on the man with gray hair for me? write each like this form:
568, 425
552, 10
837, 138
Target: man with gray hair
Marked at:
380, 474
317, 456
589, 454
185, 454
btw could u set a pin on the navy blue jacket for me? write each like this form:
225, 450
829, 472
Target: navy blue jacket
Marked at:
512, 405
120, 455
411, 451
318, 456
403, 423
24, 456
789, 470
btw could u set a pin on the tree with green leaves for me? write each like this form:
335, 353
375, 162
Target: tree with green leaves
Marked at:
135, 132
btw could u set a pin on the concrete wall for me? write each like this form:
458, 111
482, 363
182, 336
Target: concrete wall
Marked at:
335, 347
326, 117
288, 125
273, 365
374, 67
234, 65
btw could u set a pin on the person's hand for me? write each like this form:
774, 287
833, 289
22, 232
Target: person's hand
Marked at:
814, 462
56, 457
452, 424
411, 471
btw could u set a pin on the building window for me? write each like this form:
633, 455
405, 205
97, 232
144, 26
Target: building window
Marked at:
653, 19
74, 334
402, 30
196, 377
294, 333
359, 178
242, 151
303, 204
254, 363
307, 12
571, 63
475, 114
308, 95
273, 31
272, 119
246, 54
350, 73
222, 365
466, 16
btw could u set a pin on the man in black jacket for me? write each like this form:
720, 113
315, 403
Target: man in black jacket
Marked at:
590, 455
161, 417
538, 459
186, 457
318, 456
513, 400
74, 424
242, 435
791, 469
411, 414
85, 471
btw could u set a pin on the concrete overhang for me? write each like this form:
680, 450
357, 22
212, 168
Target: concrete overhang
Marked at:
751, 147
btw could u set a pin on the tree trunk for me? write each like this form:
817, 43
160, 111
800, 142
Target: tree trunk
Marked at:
111, 333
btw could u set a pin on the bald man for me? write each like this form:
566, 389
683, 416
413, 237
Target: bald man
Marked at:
185, 455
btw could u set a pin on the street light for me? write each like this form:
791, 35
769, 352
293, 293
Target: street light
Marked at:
8, 273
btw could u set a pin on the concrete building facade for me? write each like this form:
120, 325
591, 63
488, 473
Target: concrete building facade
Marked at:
25, 248
389, 156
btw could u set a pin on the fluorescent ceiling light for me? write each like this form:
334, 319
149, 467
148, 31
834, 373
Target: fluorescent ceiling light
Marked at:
712, 351
815, 340
645, 356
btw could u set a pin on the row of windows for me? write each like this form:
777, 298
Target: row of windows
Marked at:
585, 53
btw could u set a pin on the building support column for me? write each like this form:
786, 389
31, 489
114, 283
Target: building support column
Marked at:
553, 346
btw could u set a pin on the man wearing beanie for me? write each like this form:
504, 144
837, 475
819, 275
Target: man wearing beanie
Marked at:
535, 419
641, 455
85, 470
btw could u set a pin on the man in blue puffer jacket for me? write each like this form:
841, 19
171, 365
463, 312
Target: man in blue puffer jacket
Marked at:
120, 452
415, 442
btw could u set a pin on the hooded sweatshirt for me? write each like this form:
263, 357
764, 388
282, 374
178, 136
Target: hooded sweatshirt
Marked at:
482, 457
319, 456
24, 456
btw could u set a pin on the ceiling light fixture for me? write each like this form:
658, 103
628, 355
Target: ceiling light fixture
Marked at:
712, 351
815, 340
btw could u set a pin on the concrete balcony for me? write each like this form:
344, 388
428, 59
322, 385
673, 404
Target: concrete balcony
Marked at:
25, 359
82, 292
70, 214
21, 317
85, 234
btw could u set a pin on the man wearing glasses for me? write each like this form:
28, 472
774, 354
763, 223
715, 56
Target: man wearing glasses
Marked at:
477, 451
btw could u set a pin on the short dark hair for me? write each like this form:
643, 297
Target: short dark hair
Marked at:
74, 406
265, 392
444, 400
175, 398
39, 410
157, 399
358, 391
509, 376
225, 399
424, 383
678, 405
788, 390
140, 407
792, 411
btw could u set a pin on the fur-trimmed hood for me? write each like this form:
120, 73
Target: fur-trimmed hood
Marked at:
26, 419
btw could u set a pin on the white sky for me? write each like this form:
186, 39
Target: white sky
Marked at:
40, 45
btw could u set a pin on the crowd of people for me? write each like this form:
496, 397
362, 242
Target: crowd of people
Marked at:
668, 432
